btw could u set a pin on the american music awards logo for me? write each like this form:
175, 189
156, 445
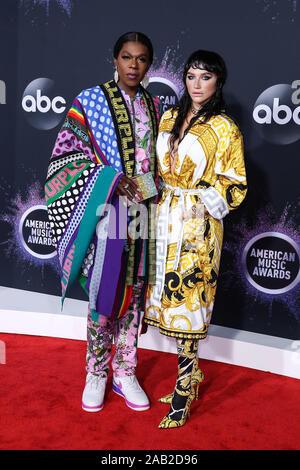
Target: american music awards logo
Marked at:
35, 232
266, 257
30, 237
165, 79
271, 262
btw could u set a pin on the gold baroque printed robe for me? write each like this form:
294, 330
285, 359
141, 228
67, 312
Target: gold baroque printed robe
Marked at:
209, 169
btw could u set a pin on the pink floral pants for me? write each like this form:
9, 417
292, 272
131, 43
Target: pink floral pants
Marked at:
123, 331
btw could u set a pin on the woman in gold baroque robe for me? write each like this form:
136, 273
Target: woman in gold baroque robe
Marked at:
202, 171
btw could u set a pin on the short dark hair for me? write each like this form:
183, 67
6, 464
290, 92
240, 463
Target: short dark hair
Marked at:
133, 36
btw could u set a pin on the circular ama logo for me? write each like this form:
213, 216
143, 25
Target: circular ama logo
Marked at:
271, 262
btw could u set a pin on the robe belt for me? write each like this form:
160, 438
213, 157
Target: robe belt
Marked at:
162, 234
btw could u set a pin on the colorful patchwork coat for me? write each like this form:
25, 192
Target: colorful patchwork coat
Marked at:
94, 149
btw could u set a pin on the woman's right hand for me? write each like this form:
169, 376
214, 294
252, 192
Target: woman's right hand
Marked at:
128, 188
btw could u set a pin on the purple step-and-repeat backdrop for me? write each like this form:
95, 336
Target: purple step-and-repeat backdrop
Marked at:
52, 49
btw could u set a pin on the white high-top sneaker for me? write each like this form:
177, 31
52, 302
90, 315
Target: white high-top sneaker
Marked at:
93, 393
132, 392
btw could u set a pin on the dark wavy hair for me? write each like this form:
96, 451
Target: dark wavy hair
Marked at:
212, 62
133, 36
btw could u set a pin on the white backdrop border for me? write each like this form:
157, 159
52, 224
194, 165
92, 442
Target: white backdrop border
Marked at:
32, 313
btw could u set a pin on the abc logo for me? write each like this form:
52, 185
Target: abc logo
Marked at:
43, 108
277, 115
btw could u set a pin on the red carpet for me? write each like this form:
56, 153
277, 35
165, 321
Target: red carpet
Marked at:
41, 387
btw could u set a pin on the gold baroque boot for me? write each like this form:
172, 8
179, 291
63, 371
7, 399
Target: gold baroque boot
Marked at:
197, 378
177, 417
184, 393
